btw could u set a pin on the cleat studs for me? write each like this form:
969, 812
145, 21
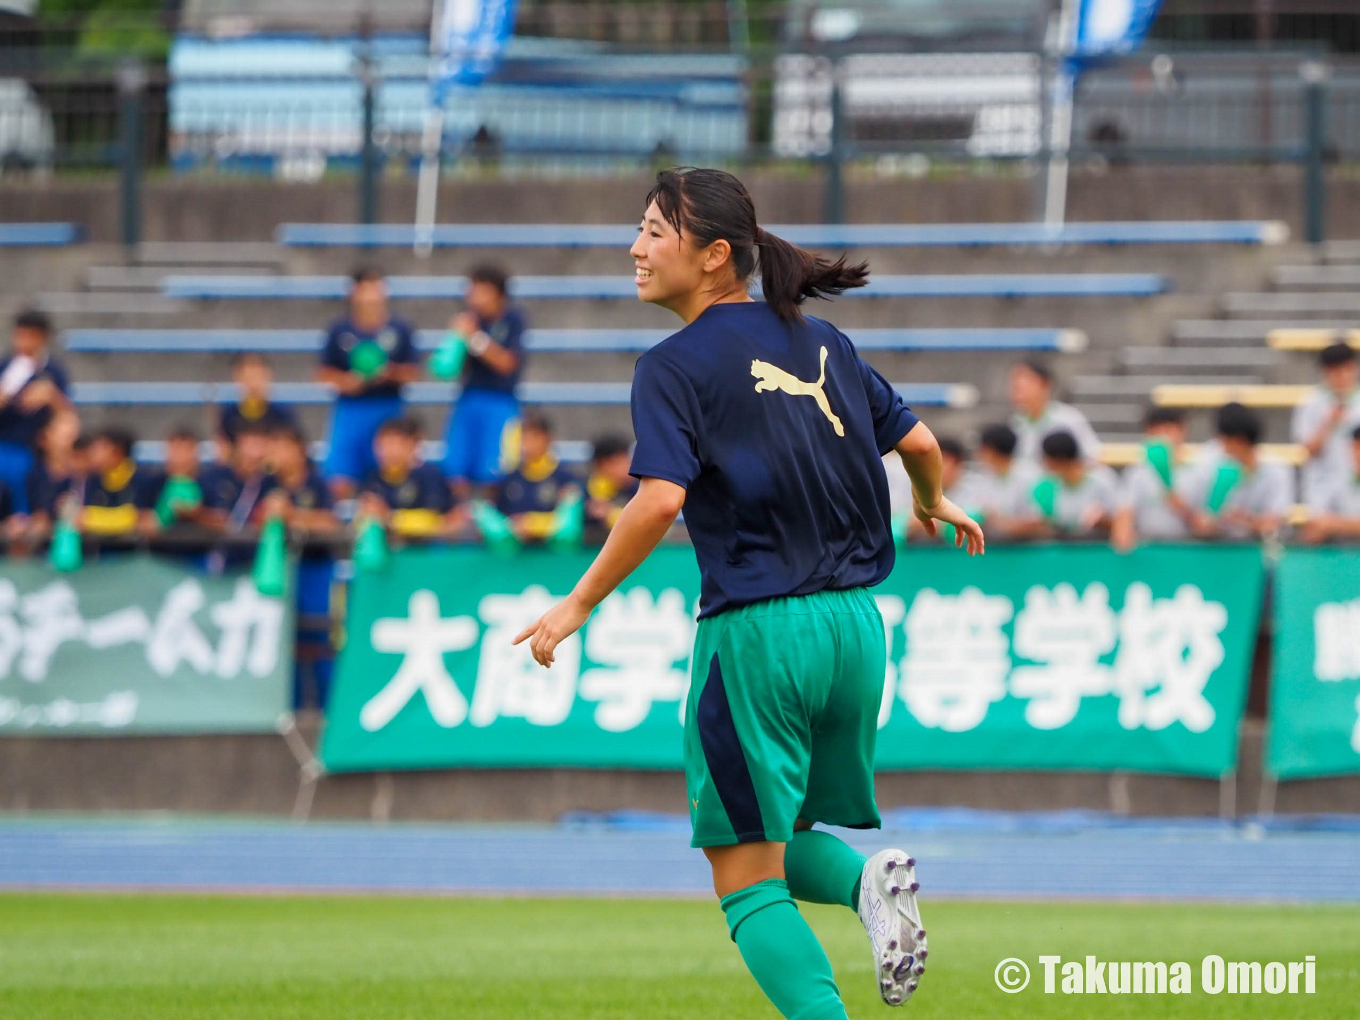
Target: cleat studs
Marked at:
914, 886
890, 866
923, 954
894, 890
920, 969
912, 987
887, 985
920, 933
892, 945
896, 1000
911, 862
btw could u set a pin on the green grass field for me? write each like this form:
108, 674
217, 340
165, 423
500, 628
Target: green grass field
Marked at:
333, 958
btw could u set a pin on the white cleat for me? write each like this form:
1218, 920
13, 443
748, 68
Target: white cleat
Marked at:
888, 911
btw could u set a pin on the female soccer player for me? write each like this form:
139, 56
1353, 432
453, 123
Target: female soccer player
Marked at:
768, 429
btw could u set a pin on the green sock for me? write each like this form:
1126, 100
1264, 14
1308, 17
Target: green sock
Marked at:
822, 869
781, 952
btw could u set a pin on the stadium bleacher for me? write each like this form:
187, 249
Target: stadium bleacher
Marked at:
33, 235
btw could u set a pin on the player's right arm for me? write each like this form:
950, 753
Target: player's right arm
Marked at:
920, 453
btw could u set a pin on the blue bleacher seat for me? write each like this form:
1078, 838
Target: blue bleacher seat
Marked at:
325, 288
431, 393
27, 235
595, 235
306, 341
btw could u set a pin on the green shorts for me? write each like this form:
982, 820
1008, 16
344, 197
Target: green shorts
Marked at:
782, 717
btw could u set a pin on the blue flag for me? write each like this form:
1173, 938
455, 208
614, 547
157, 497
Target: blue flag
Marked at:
1109, 27
469, 40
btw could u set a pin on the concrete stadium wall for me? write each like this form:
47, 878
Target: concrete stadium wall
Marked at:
237, 210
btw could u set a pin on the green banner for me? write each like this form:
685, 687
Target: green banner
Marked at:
138, 645
1315, 673
1027, 658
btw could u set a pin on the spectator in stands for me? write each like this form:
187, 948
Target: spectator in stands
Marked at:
369, 355
1037, 414
609, 487
1075, 498
115, 493
1236, 494
33, 388
60, 469
1006, 483
408, 495
481, 425
175, 492
254, 379
234, 492
960, 484
1335, 510
299, 495
530, 494
1324, 422
1150, 506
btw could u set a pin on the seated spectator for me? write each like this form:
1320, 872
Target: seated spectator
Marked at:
254, 378
1037, 414
368, 357
60, 468
115, 493
1150, 507
530, 494
1335, 510
1075, 498
33, 388
1323, 423
299, 495
408, 495
175, 491
610, 486
1235, 494
960, 484
1005, 484
234, 492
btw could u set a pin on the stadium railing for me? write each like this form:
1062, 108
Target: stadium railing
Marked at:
962, 235
307, 341
32, 235
329, 288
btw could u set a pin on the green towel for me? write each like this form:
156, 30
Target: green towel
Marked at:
367, 359
1225, 480
495, 528
180, 493
270, 572
371, 554
1046, 496
447, 361
66, 553
1161, 458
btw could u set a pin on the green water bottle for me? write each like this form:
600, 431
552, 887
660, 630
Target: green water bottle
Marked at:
66, 553
371, 554
367, 359
1227, 476
495, 528
569, 523
180, 493
1161, 458
271, 559
1046, 496
447, 361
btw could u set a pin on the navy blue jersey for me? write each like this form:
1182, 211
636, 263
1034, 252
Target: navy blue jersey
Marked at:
20, 426
535, 487
46, 490
126, 485
777, 433
239, 498
271, 415
508, 331
422, 488
396, 340
311, 494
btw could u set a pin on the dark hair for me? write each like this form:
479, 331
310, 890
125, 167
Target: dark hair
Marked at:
951, 447
246, 357
537, 421
608, 446
1337, 354
182, 434
291, 432
1000, 438
252, 428
1237, 421
1061, 445
1356, 434
119, 437
31, 318
1038, 368
493, 275
83, 441
712, 205
365, 274
406, 426
1155, 416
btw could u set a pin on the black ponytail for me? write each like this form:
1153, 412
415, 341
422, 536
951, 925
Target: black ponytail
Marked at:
711, 205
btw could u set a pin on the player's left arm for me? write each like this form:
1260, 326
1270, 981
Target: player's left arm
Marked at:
642, 524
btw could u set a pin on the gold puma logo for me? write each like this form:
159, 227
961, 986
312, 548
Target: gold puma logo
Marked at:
772, 377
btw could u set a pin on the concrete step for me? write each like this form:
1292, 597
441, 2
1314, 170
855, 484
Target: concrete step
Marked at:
237, 254
1331, 277
1301, 304
1235, 332
1223, 358
148, 278
1340, 252
1112, 416
99, 306
1139, 387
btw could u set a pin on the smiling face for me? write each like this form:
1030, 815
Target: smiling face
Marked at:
670, 271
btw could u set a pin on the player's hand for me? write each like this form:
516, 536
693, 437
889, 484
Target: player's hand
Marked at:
552, 628
965, 528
